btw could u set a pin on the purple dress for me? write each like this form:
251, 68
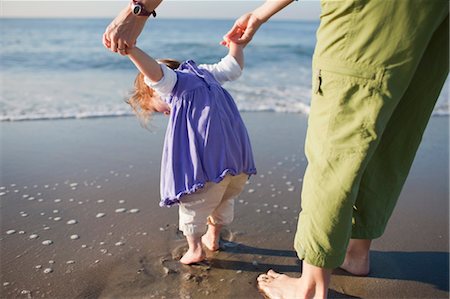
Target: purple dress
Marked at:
206, 138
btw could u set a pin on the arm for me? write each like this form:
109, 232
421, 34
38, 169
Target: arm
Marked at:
230, 67
157, 76
249, 23
123, 31
146, 64
237, 51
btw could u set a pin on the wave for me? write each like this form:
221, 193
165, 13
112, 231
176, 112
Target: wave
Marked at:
81, 115
300, 108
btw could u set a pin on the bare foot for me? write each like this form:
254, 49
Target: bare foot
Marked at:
210, 242
357, 258
313, 284
195, 252
192, 257
359, 266
211, 238
279, 286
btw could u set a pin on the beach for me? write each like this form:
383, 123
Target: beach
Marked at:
80, 216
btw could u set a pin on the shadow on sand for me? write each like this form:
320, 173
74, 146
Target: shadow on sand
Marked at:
424, 267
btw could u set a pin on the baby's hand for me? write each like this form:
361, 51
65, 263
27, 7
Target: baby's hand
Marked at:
234, 36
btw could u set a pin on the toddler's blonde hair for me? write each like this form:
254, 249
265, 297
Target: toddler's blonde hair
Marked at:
142, 98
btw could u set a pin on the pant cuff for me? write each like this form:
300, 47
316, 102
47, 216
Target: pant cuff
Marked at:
192, 230
319, 259
367, 233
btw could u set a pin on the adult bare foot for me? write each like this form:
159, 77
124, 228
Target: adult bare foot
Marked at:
313, 284
279, 286
357, 257
359, 266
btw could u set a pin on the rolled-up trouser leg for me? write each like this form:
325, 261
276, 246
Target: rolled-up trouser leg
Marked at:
224, 213
365, 60
195, 208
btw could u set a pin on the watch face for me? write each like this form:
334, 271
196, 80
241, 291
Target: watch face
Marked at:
137, 9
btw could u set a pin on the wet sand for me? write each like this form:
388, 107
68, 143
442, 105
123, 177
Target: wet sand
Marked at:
80, 216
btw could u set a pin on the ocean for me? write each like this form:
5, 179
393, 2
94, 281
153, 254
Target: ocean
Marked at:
58, 68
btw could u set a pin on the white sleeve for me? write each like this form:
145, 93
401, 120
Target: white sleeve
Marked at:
164, 86
228, 69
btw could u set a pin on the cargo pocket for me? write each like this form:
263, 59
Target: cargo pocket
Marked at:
345, 105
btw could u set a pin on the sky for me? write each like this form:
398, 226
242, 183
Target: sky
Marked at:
300, 10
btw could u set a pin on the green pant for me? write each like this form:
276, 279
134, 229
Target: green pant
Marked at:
378, 69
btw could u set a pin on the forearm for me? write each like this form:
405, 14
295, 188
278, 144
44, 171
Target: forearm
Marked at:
127, 15
146, 64
237, 51
269, 8
123, 31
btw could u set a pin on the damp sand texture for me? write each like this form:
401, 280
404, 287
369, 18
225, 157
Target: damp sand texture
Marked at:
80, 216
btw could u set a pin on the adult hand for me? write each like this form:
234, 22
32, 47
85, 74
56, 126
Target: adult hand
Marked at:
123, 31
249, 23
243, 29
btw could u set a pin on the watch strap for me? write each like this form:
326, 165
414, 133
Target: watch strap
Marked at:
143, 11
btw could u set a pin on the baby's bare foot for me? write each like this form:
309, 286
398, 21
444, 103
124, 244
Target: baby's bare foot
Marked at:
210, 242
192, 257
212, 236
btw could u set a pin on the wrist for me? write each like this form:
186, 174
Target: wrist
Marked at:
235, 46
260, 15
138, 8
131, 51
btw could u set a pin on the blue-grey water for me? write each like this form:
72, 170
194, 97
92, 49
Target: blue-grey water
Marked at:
58, 68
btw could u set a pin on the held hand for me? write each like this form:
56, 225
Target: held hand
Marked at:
123, 31
243, 30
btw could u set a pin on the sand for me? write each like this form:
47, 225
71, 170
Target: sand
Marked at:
80, 216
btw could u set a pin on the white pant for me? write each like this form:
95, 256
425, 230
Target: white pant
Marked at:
214, 204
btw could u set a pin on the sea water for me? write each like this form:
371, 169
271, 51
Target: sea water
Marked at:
58, 68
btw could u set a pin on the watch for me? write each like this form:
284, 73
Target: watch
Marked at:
138, 9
